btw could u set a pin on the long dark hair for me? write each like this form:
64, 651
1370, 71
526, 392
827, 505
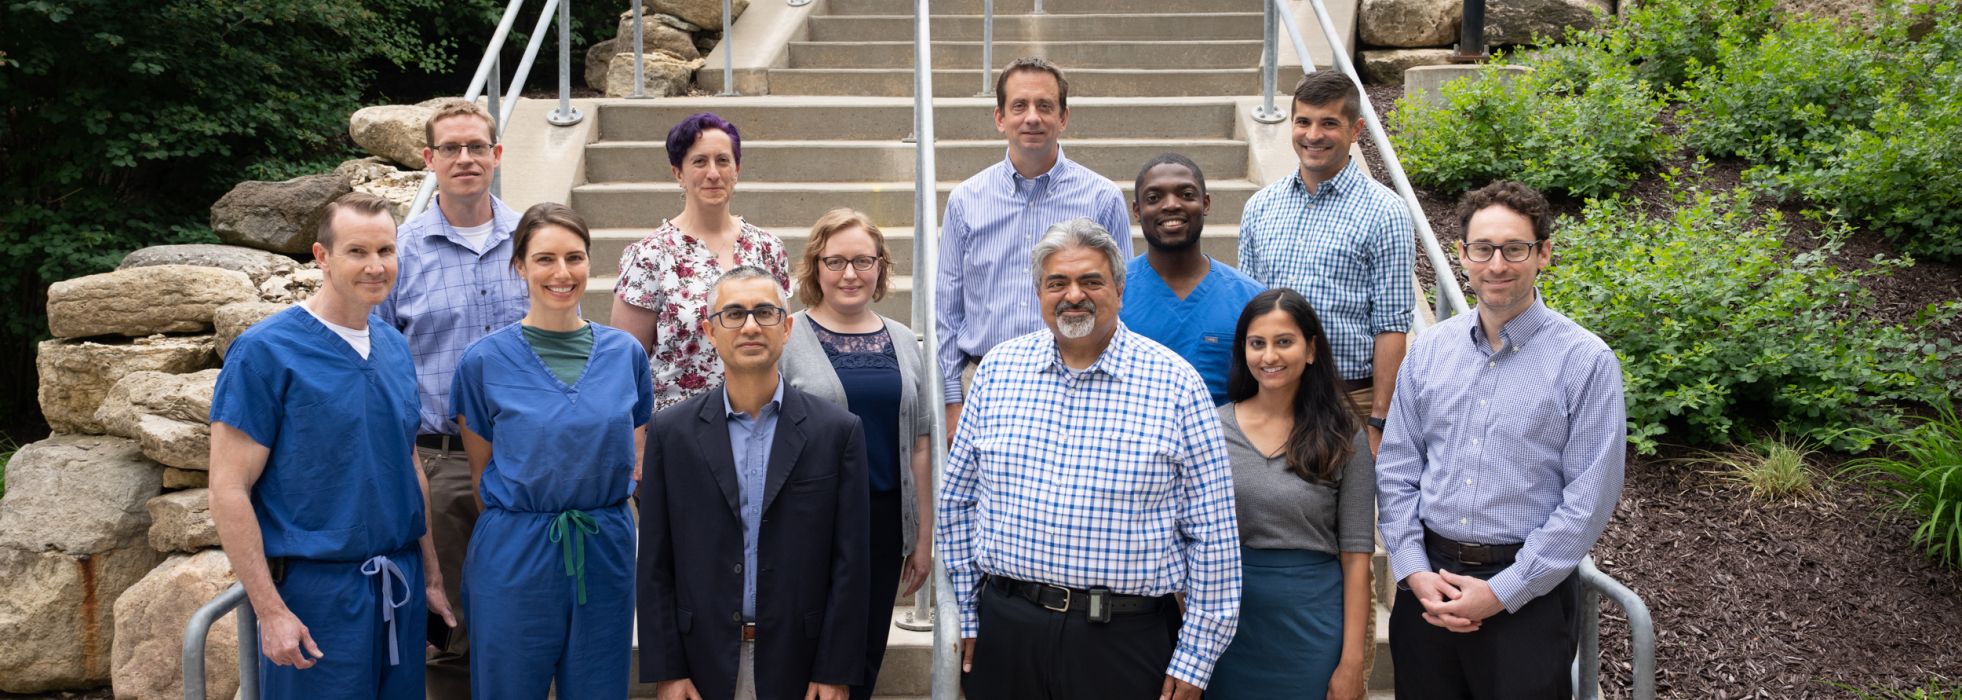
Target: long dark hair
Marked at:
1324, 426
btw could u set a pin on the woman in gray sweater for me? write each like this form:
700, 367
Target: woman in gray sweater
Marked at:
1304, 488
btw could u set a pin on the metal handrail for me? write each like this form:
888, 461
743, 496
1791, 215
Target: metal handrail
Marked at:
1641, 627
199, 627
490, 74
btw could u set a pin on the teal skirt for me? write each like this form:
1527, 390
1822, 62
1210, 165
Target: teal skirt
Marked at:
1290, 635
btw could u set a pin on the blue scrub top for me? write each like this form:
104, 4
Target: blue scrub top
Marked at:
1199, 327
339, 484
554, 447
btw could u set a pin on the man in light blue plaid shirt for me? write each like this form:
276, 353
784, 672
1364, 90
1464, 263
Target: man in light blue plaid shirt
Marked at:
454, 286
1342, 240
1088, 482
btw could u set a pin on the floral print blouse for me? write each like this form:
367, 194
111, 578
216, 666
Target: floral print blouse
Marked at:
670, 273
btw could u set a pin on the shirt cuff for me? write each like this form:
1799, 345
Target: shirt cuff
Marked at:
1511, 588
1191, 666
1408, 560
951, 391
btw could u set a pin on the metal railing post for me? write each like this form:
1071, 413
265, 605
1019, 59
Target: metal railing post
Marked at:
1270, 60
198, 629
926, 259
1471, 36
565, 115
728, 54
640, 68
1037, 9
987, 48
248, 649
1641, 631
525, 62
497, 125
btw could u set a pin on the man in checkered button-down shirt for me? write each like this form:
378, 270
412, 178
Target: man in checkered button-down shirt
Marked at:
1088, 482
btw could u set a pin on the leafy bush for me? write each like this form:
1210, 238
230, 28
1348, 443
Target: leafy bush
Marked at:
1924, 471
1774, 100
1668, 40
1582, 123
1714, 318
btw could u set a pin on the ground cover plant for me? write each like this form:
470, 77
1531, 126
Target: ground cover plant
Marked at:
1922, 468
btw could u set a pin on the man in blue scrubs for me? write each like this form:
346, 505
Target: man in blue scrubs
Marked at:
314, 488
1174, 293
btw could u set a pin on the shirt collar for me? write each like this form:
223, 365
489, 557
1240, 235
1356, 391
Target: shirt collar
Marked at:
501, 223
1111, 363
1517, 331
775, 403
1015, 176
1335, 185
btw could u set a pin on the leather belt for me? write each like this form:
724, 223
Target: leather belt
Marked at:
440, 443
1059, 599
749, 632
1359, 384
1471, 553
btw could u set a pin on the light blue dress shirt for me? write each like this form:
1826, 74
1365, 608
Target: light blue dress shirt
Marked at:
750, 438
1519, 445
1199, 327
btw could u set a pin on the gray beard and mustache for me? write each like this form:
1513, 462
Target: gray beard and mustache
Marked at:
1072, 327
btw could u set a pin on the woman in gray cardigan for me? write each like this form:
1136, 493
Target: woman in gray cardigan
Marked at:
840, 351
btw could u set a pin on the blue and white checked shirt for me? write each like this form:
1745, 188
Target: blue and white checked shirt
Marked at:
984, 294
750, 439
1348, 247
446, 296
1113, 476
1523, 445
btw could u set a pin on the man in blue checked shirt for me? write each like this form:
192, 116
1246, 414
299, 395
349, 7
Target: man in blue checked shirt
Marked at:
1342, 240
1087, 483
1499, 469
993, 219
456, 285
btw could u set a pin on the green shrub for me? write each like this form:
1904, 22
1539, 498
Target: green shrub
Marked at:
1580, 123
1923, 469
1714, 319
1772, 101
1668, 40
1772, 469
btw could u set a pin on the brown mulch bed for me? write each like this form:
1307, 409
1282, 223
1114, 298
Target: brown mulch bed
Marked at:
1756, 600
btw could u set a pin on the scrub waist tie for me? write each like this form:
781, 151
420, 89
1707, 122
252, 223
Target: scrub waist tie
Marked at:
385, 568
569, 530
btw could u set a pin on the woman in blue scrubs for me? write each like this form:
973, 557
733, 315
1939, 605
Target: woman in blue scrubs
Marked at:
553, 411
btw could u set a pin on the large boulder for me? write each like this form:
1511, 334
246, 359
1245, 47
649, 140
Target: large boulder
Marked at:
180, 521
73, 537
147, 661
701, 13
1386, 66
378, 177
656, 32
144, 300
296, 286
1512, 22
1410, 23
394, 132
76, 375
256, 264
278, 216
664, 74
232, 319
168, 415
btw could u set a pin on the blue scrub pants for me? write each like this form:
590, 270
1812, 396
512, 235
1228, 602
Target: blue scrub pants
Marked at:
342, 609
527, 626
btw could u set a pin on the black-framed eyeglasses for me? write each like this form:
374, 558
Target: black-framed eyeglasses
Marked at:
861, 263
766, 315
477, 150
1516, 251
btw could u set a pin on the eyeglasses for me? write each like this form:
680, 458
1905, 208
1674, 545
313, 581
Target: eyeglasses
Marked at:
734, 319
477, 150
861, 263
1515, 251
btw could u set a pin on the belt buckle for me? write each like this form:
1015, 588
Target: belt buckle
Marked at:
1066, 599
1472, 553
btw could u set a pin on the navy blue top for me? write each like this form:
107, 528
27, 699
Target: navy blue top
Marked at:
869, 370
1199, 327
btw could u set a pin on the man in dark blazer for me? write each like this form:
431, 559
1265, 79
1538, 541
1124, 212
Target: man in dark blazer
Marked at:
753, 569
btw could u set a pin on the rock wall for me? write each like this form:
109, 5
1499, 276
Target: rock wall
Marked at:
1401, 34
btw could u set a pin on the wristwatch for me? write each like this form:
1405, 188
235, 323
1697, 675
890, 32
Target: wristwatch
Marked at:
1376, 423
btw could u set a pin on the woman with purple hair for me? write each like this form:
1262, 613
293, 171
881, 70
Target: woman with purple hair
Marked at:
665, 278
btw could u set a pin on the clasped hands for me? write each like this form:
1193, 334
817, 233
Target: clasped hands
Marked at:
1454, 601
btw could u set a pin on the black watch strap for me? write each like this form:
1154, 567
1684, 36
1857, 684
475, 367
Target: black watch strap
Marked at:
1376, 423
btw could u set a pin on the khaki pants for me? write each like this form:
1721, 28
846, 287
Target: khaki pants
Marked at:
453, 514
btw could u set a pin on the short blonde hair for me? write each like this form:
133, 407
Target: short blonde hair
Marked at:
840, 219
456, 108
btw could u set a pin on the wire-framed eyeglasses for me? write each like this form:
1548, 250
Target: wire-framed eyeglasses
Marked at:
734, 318
861, 263
1516, 251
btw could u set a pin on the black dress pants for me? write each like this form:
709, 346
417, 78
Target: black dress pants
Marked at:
1026, 652
1525, 655
888, 556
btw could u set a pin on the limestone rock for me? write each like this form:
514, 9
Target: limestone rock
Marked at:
1386, 66
701, 13
655, 33
180, 521
677, 22
277, 216
168, 415
377, 177
146, 663
76, 375
705, 41
394, 132
665, 74
289, 288
72, 538
144, 300
256, 264
1511, 22
232, 319
174, 478
1410, 23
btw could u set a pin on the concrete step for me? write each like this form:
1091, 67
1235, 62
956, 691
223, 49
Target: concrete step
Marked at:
1236, 53
1220, 241
1054, 7
793, 204
887, 160
1179, 26
1103, 82
597, 306
891, 118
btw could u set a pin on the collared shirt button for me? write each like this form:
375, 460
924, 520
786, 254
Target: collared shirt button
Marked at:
1481, 402
1491, 364
1468, 482
739, 567
737, 616
485, 291
1462, 521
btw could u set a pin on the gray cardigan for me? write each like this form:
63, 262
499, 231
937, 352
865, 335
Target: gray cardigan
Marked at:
806, 367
